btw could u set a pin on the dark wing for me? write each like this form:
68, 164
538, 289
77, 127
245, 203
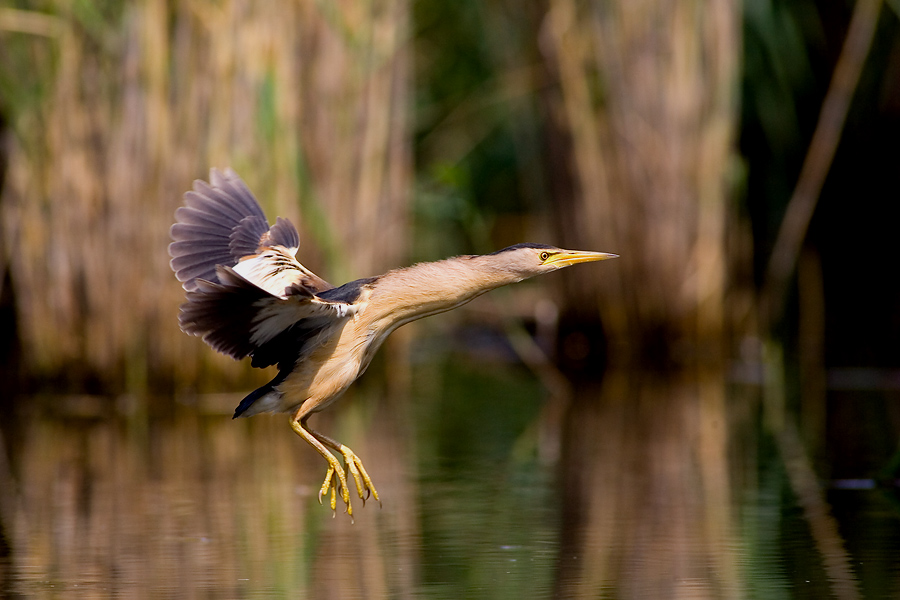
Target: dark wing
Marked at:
222, 224
238, 318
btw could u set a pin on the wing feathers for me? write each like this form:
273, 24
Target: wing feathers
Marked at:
220, 224
238, 318
236, 191
246, 293
246, 237
283, 233
208, 201
197, 266
237, 199
198, 231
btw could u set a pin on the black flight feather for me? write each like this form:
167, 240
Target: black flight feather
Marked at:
223, 315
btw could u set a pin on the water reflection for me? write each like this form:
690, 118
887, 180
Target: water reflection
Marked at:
664, 488
647, 475
198, 505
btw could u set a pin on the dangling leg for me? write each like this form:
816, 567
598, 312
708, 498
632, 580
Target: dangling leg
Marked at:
364, 485
335, 470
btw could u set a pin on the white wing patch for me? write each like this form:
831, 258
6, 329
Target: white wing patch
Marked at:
273, 270
276, 315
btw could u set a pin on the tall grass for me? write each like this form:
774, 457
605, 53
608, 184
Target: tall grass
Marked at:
116, 107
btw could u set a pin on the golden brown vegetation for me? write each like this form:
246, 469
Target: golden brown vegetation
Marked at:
307, 100
648, 99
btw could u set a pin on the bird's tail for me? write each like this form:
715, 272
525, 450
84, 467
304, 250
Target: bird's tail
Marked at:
264, 399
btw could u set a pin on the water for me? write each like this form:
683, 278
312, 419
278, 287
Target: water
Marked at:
641, 487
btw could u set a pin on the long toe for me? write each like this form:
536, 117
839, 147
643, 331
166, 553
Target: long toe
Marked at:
335, 478
364, 485
336, 482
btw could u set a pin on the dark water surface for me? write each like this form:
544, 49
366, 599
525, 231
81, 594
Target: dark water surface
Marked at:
639, 487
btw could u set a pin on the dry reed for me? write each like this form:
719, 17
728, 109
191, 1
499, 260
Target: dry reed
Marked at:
306, 100
648, 100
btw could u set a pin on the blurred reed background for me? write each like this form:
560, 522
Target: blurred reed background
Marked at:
113, 108
721, 148
586, 124
650, 112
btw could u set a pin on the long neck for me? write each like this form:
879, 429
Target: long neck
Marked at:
425, 289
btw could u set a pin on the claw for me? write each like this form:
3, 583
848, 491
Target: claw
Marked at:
336, 477
364, 485
327, 484
350, 460
335, 482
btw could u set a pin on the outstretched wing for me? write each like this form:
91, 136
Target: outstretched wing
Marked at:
238, 318
246, 293
222, 224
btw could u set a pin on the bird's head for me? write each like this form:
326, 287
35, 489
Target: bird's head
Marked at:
528, 260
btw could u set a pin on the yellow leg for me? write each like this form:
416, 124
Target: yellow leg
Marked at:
364, 485
335, 470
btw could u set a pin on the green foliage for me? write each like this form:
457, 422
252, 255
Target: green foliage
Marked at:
780, 40
476, 127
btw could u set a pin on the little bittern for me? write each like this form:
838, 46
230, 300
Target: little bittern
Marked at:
247, 295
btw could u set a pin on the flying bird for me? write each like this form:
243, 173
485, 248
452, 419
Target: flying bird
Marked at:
247, 295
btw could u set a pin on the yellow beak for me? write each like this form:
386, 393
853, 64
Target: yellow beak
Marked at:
571, 257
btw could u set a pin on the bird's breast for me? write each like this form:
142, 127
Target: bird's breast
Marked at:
326, 372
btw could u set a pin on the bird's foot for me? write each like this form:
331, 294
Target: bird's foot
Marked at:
336, 476
336, 481
364, 485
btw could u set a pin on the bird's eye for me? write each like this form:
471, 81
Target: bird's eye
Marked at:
544, 256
